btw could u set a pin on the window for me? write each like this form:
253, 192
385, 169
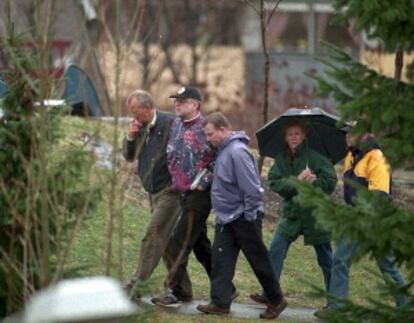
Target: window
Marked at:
288, 32
299, 27
338, 36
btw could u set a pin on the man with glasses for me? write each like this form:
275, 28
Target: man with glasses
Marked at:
189, 157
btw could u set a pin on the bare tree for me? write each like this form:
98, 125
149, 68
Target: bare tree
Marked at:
194, 23
265, 17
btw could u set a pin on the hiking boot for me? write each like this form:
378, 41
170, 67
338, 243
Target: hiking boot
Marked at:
213, 309
168, 298
259, 298
165, 299
235, 294
273, 310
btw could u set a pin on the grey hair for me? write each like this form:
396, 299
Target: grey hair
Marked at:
144, 98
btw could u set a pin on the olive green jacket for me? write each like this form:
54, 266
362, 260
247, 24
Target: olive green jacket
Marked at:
297, 220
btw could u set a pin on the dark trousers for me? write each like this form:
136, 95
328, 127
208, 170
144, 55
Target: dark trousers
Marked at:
229, 239
190, 234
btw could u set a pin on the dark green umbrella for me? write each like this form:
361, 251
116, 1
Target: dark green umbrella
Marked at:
323, 135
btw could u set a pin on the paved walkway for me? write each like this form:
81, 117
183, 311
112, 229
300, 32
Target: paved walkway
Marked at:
242, 310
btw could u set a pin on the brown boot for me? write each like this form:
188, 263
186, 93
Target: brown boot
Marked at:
273, 310
213, 309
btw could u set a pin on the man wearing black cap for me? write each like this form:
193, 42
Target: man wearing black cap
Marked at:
189, 157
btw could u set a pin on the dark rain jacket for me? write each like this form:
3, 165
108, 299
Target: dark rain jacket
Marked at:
366, 167
151, 150
297, 220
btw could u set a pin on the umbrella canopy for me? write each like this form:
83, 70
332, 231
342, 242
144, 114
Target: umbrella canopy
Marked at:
322, 133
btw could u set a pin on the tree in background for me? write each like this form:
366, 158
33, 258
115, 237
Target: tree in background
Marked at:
164, 26
382, 105
385, 107
265, 17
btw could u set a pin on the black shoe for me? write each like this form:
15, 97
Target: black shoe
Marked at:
259, 298
273, 310
213, 309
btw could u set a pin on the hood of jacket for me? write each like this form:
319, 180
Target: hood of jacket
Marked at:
235, 135
236, 188
366, 146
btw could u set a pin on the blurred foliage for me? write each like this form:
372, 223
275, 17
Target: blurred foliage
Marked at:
385, 107
45, 187
380, 105
381, 229
392, 22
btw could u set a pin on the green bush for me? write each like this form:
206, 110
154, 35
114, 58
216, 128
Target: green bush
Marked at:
45, 185
383, 106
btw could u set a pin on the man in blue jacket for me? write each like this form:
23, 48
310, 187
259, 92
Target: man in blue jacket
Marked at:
237, 199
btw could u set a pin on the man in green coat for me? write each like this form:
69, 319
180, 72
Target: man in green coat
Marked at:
298, 160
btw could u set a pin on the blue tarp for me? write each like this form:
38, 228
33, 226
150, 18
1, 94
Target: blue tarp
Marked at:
3, 89
80, 93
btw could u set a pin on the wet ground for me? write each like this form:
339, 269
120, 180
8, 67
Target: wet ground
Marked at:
241, 310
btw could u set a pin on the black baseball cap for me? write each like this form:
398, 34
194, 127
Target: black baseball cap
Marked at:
187, 92
349, 125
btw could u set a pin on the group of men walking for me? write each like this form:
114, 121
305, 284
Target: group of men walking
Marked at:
189, 164
177, 156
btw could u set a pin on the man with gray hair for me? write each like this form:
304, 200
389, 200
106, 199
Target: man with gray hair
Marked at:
147, 141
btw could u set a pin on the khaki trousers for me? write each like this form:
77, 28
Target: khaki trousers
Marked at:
165, 212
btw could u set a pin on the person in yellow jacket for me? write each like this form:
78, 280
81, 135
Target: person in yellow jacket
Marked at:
365, 166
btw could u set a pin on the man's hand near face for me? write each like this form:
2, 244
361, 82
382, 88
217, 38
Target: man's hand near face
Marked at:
133, 128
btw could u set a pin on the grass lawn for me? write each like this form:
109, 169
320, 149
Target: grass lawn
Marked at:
300, 269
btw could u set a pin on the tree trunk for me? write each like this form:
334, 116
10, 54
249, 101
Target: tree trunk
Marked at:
146, 60
399, 63
266, 68
194, 62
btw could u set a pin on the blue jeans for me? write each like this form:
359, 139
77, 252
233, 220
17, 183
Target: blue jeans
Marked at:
344, 252
279, 249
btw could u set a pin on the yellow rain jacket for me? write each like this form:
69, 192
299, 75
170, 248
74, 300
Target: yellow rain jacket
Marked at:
366, 168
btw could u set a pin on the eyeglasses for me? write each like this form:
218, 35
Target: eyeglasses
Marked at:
179, 101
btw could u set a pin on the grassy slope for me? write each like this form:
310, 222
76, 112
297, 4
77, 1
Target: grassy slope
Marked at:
300, 268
